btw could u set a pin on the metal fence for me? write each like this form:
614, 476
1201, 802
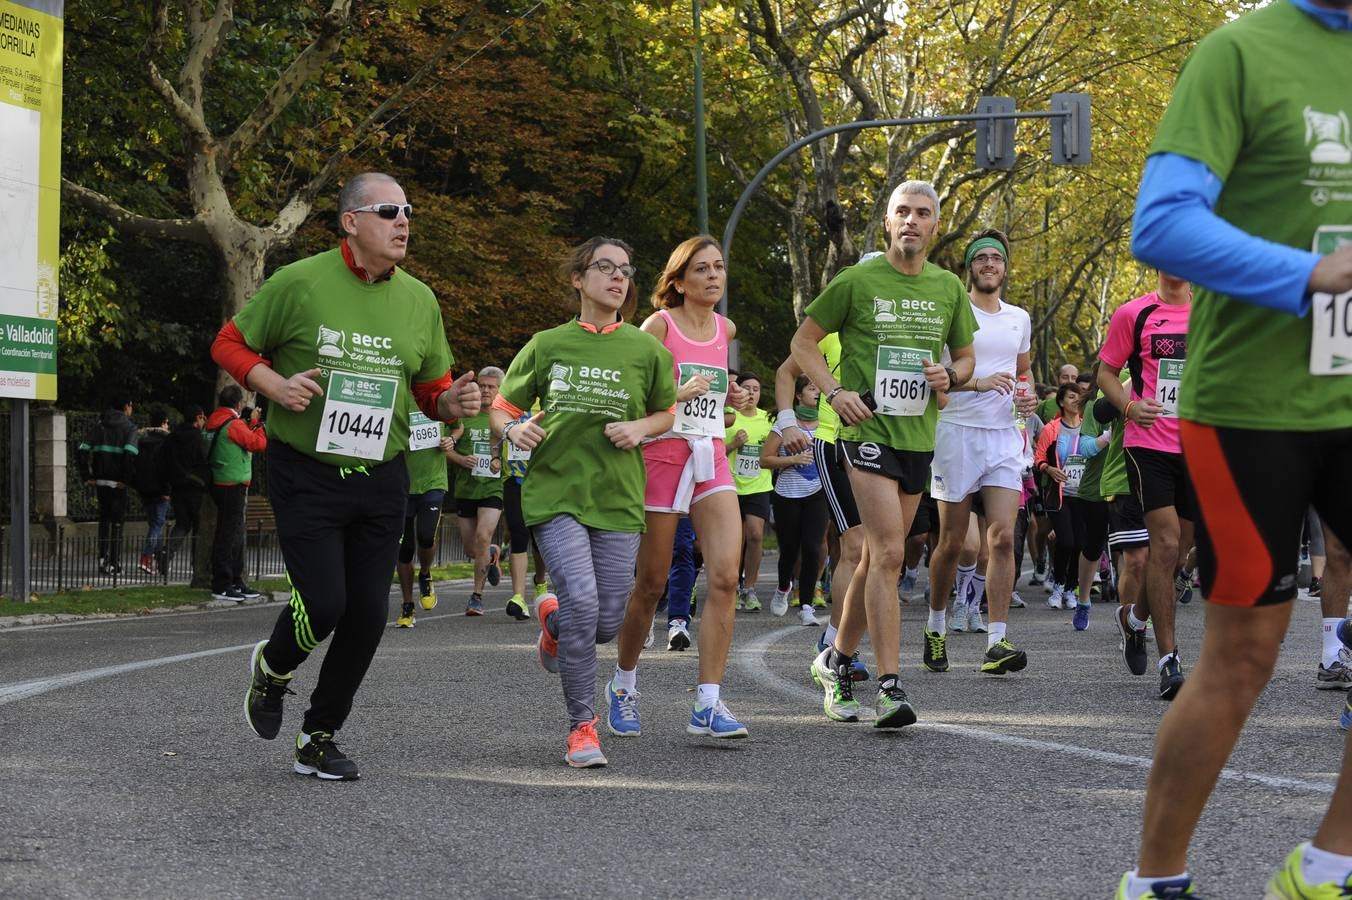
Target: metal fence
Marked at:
69, 560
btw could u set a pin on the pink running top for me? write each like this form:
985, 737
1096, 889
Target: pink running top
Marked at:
1149, 338
709, 358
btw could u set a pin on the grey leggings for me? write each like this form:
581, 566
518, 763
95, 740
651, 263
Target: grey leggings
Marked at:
591, 572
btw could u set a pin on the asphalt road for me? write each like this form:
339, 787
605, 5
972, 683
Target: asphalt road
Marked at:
127, 770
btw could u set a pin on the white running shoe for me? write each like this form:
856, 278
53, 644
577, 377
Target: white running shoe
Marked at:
678, 635
1054, 599
974, 621
779, 602
806, 616
1051, 586
957, 618
1069, 599
648, 641
1015, 601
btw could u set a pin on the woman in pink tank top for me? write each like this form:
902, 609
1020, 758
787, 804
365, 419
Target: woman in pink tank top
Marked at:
688, 471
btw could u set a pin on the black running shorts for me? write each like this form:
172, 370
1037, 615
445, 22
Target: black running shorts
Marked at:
836, 485
1159, 479
909, 468
1253, 488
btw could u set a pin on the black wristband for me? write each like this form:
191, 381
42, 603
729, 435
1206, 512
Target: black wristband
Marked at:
952, 377
832, 395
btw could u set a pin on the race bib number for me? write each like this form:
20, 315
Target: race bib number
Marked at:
486, 465
899, 387
423, 433
702, 415
748, 461
516, 455
1074, 470
1330, 314
358, 413
1166, 385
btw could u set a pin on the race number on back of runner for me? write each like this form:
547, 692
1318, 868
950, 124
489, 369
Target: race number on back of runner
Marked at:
423, 433
358, 413
899, 387
703, 415
1331, 315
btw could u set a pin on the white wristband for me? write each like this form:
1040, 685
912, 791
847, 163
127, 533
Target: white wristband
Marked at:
786, 418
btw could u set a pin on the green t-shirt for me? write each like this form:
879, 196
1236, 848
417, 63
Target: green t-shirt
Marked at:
427, 463
747, 473
485, 479
1047, 409
371, 342
1113, 482
1263, 101
1093, 467
889, 323
585, 380
828, 421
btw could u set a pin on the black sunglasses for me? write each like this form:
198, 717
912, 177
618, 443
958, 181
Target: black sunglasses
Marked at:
387, 210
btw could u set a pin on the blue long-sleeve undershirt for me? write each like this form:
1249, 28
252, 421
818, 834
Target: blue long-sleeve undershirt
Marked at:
1176, 229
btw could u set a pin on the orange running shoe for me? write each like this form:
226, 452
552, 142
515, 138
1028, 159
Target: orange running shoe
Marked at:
548, 645
584, 747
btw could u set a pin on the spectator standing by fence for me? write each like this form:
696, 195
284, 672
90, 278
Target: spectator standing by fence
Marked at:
153, 486
188, 474
106, 459
233, 441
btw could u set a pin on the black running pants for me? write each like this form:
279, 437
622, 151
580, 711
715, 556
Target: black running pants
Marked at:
339, 532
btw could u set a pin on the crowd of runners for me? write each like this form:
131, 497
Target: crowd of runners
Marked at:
1204, 451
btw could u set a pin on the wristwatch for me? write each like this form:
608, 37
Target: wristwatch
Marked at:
832, 395
952, 377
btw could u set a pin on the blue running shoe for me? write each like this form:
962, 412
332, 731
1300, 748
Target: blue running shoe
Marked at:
623, 718
822, 643
907, 583
715, 721
1081, 617
858, 671
1345, 632
1345, 723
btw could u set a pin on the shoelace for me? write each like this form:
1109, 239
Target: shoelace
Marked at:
844, 683
936, 643
894, 692
348, 470
324, 745
582, 736
628, 705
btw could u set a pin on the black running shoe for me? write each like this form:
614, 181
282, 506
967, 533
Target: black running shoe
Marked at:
320, 756
263, 702
1133, 642
893, 708
247, 592
1171, 678
1002, 657
935, 656
1183, 588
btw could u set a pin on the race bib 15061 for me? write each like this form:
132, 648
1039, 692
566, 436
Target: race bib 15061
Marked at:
899, 387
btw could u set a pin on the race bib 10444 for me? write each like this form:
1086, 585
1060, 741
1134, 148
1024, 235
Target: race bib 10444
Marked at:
899, 386
423, 433
1330, 314
358, 414
702, 415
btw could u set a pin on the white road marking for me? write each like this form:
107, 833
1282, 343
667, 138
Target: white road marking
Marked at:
9, 693
751, 657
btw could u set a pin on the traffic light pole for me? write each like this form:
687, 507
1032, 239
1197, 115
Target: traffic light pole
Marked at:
1070, 145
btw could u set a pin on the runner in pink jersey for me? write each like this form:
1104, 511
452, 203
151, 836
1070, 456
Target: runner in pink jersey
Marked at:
1148, 336
688, 471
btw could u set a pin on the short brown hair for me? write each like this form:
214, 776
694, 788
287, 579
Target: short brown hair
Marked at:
579, 258
665, 295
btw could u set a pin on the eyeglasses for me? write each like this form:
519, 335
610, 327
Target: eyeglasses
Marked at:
606, 267
387, 210
987, 259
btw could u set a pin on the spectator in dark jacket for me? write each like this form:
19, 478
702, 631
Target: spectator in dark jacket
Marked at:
153, 487
188, 473
233, 441
107, 462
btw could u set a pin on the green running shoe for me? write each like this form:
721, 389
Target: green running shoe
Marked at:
839, 703
1288, 882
